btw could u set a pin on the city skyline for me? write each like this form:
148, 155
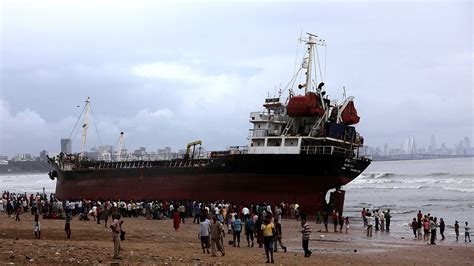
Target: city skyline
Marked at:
182, 75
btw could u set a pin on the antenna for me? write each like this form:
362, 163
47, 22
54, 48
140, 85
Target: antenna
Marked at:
344, 93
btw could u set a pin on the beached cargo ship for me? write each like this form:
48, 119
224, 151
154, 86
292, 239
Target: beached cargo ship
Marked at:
299, 149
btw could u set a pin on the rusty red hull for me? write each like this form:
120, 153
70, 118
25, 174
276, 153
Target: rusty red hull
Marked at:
241, 179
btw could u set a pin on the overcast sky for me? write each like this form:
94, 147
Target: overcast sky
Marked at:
167, 74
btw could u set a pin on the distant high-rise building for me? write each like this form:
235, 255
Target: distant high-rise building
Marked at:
467, 143
43, 155
66, 146
433, 143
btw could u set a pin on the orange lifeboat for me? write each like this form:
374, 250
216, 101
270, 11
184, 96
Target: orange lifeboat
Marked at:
304, 106
349, 114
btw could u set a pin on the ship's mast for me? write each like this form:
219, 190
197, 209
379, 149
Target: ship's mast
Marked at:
311, 42
85, 125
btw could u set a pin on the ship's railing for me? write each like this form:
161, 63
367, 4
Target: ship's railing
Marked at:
326, 150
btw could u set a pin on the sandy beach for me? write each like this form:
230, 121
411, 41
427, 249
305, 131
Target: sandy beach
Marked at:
155, 242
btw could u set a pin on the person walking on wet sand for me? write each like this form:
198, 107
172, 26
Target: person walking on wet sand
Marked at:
467, 231
441, 228
456, 230
115, 226
388, 217
176, 220
305, 231
217, 232
433, 230
414, 226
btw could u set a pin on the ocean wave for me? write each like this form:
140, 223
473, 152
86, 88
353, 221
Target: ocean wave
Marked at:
376, 175
437, 174
463, 190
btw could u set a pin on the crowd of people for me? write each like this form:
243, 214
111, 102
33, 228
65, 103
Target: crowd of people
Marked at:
425, 228
377, 218
260, 222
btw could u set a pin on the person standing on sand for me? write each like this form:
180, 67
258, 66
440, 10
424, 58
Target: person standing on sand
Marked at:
456, 230
414, 226
268, 230
37, 226
182, 212
388, 216
249, 225
426, 229
346, 221
441, 228
67, 226
217, 231
116, 228
433, 230
278, 236
362, 214
420, 225
305, 232
341, 222
237, 228
376, 217
467, 231
204, 231
368, 217
176, 220
335, 219
382, 221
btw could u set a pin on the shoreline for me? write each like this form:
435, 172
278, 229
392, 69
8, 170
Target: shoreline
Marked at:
155, 241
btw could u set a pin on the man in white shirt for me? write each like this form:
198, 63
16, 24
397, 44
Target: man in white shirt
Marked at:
370, 223
382, 221
246, 213
204, 230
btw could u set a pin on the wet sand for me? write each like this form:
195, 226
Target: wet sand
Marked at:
154, 241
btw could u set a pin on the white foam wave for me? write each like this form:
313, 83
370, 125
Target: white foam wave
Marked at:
376, 175
463, 190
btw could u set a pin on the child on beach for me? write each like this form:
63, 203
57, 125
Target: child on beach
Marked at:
176, 220
305, 231
414, 227
346, 221
426, 229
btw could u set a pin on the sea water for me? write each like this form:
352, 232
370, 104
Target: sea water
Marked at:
442, 187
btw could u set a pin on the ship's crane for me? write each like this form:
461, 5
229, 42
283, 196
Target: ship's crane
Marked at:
188, 148
121, 141
85, 125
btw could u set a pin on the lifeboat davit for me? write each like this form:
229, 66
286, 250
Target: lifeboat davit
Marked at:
349, 114
304, 106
